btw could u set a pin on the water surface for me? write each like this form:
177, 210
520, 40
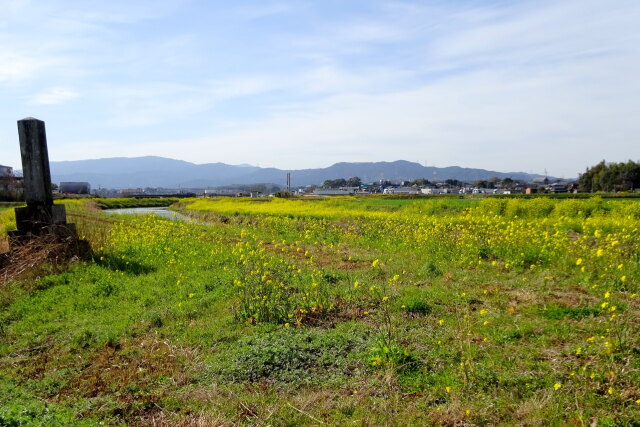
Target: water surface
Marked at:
163, 212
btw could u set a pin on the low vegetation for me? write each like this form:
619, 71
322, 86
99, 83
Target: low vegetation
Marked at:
128, 202
370, 311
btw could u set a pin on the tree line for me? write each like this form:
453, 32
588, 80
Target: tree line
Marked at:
610, 177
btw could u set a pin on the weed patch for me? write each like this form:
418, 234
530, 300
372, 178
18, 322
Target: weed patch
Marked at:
295, 357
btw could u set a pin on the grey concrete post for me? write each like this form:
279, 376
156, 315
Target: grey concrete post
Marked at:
40, 216
35, 162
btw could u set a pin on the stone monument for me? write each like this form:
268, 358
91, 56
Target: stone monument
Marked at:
40, 216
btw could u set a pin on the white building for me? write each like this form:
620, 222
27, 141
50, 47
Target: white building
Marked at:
400, 190
435, 190
6, 171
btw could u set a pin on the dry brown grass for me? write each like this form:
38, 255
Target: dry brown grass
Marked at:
52, 250
168, 419
4, 246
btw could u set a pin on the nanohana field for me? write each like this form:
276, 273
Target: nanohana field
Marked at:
366, 311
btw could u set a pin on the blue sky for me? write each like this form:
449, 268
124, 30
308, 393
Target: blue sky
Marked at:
502, 85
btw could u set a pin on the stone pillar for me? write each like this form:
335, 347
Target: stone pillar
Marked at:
40, 216
35, 162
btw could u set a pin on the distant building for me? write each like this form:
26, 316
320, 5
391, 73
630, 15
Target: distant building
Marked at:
434, 190
75, 188
6, 171
10, 185
331, 192
483, 191
128, 192
401, 190
540, 180
557, 187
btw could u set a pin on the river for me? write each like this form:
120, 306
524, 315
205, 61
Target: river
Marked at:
160, 211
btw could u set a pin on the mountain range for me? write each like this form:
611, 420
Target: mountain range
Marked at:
153, 171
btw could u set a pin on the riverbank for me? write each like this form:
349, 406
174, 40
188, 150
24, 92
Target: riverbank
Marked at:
341, 311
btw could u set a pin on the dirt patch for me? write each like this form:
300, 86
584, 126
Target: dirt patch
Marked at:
129, 371
573, 297
32, 362
168, 419
321, 256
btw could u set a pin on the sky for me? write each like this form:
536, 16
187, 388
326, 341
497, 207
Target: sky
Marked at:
502, 85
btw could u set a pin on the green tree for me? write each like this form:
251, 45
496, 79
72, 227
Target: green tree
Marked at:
610, 177
333, 183
354, 182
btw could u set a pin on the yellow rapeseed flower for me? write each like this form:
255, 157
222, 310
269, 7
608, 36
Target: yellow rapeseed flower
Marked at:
557, 386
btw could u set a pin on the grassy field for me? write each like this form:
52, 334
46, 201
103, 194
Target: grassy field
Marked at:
365, 311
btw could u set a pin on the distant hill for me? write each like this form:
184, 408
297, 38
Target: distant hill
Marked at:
152, 171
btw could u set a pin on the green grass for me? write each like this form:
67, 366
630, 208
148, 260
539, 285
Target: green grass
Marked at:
366, 311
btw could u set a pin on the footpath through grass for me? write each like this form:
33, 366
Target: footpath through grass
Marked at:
367, 311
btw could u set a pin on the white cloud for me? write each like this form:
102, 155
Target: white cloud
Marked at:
16, 68
482, 119
503, 85
543, 33
53, 96
263, 11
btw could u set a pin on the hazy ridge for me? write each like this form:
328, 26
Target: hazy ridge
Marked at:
153, 171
